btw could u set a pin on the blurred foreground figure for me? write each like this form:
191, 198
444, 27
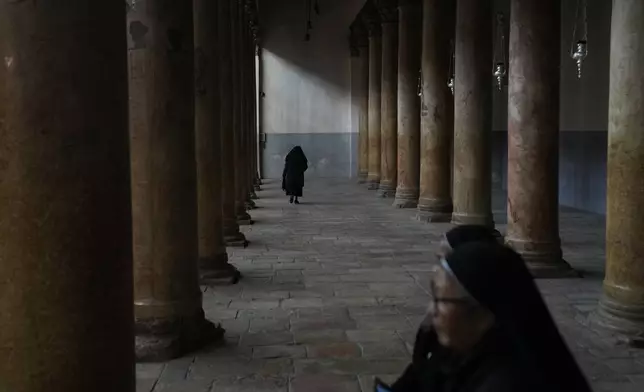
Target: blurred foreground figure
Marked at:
488, 329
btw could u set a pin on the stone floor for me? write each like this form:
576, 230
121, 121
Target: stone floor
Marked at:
334, 289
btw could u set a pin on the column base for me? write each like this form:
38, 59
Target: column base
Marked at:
460, 218
362, 178
217, 271
158, 340
250, 204
253, 195
544, 260
386, 190
236, 241
625, 320
373, 182
406, 198
434, 210
244, 220
257, 187
258, 180
242, 217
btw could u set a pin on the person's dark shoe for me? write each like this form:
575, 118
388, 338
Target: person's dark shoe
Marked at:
297, 201
290, 200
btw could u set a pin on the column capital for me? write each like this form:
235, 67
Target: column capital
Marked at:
388, 10
358, 37
250, 7
371, 19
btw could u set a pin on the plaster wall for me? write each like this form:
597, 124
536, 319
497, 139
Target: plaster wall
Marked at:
307, 87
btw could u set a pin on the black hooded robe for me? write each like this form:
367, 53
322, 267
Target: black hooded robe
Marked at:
293, 175
524, 352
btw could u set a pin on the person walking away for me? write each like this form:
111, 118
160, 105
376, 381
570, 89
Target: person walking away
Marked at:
293, 175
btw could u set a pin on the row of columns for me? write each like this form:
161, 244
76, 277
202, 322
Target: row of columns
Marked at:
443, 146
444, 141
108, 228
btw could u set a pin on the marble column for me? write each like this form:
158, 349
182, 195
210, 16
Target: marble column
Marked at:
409, 55
237, 94
65, 217
533, 136
437, 113
213, 259
232, 235
472, 188
374, 115
622, 305
169, 320
360, 54
388, 10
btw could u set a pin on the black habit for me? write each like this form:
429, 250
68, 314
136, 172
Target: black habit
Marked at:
524, 352
293, 175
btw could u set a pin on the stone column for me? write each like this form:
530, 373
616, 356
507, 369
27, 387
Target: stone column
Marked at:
232, 235
472, 192
213, 259
252, 91
375, 79
437, 113
409, 54
533, 136
622, 305
255, 174
244, 163
65, 217
360, 54
237, 94
249, 61
388, 10
169, 320
258, 143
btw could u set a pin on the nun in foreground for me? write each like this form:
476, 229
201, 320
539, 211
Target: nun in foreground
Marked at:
295, 165
488, 330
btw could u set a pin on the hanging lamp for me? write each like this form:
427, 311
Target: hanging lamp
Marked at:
579, 45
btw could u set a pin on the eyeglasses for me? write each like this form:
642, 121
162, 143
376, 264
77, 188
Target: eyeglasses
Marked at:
450, 300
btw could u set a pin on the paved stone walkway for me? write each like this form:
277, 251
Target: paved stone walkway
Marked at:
334, 289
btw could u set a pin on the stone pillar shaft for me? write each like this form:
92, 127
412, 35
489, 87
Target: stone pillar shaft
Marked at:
409, 53
213, 259
437, 113
65, 217
237, 96
363, 113
375, 80
533, 135
232, 235
167, 298
472, 188
249, 66
255, 167
388, 106
622, 305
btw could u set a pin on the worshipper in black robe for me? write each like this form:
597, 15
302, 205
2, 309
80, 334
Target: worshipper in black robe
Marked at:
426, 338
490, 330
293, 175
